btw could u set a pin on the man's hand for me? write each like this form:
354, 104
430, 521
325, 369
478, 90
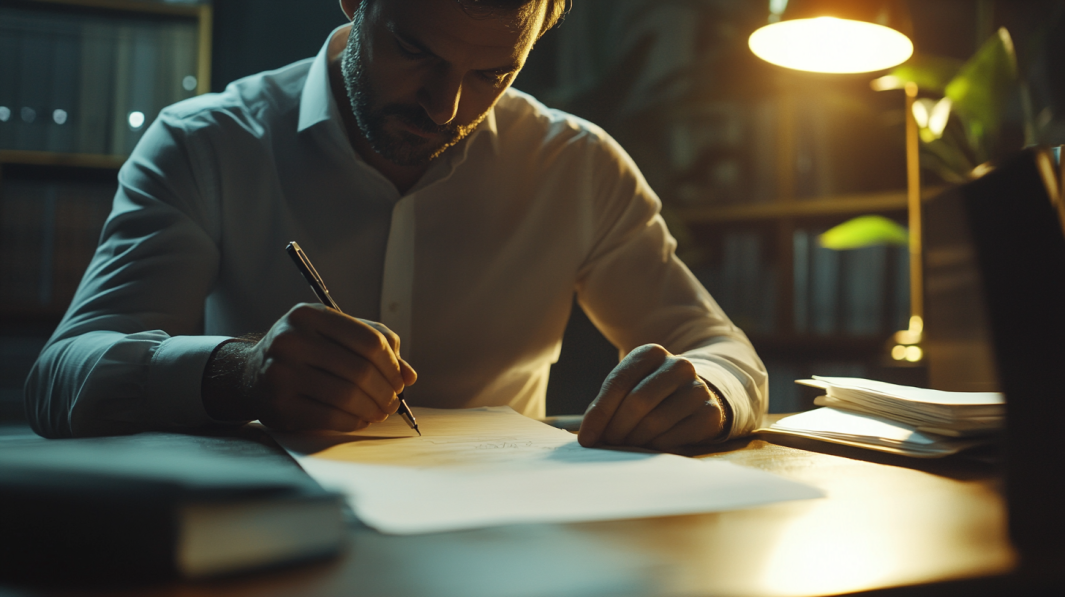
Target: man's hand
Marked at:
316, 369
653, 399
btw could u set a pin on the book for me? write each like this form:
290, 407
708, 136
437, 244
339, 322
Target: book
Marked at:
863, 292
34, 90
824, 290
155, 506
60, 115
96, 90
9, 71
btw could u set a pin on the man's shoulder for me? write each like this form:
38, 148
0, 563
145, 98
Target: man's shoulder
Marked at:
529, 129
522, 116
252, 101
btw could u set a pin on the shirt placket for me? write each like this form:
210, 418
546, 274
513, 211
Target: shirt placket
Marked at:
397, 288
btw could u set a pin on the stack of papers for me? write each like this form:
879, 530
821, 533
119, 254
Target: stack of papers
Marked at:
897, 419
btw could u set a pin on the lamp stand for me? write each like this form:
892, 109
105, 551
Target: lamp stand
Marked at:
905, 344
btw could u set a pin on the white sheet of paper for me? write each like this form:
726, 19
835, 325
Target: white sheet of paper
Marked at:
857, 425
491, 466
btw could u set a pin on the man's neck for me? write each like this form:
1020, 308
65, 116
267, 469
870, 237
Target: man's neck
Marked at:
403, 177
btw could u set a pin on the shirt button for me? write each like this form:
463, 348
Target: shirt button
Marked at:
393, 307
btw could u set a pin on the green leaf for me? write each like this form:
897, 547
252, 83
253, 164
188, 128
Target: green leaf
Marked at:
864, 231
981, 89
930, 73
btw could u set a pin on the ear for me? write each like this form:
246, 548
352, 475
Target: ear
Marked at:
349, 7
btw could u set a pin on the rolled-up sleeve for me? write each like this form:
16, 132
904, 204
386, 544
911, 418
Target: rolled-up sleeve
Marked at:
129, 354
636, 291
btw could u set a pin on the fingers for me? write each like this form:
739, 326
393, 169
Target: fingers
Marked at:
340, 393
699, 427
653, 399
670, 377
304, 413
356, 336
315, 361
631, 371
295, 350
406, 371
667, 415
409, 374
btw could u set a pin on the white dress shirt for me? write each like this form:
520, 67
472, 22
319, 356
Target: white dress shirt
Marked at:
475, 267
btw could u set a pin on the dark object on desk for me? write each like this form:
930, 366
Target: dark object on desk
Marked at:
155, 506
1015, 214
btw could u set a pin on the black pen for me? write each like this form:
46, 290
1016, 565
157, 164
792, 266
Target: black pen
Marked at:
318, 286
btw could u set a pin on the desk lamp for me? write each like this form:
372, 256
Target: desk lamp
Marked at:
856, 36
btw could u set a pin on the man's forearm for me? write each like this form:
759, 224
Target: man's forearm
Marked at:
225, 384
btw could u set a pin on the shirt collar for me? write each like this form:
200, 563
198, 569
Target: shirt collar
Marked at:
316, 101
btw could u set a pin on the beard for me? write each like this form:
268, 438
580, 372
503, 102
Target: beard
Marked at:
400, 147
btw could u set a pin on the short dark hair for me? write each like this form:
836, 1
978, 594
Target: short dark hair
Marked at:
556, 9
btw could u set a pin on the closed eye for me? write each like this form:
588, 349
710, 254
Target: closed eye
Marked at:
408, 50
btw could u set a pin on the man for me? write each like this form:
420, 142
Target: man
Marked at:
453, 217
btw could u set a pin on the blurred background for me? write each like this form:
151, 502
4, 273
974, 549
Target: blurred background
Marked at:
752, 161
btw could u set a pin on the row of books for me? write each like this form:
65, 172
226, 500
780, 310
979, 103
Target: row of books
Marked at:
88, 83
859, 292
48, 234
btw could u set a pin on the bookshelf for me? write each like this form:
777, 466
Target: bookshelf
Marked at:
808, 309
80, 81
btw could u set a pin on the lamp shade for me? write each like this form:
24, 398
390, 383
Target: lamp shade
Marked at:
836, 36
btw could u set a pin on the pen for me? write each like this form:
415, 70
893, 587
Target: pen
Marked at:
318, 286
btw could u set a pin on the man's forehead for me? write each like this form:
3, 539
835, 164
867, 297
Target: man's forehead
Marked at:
455, 24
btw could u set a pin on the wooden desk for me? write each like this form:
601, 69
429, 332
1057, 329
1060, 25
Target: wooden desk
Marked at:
887, 522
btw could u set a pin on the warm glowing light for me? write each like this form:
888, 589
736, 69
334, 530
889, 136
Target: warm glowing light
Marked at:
887, 82
830, 45
907, 337
916, 324
921, 111
898, 352
932, 117
136, 120
937, 121
914, 353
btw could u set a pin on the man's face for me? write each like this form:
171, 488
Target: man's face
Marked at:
422, 74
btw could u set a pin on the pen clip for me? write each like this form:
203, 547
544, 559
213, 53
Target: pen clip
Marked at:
310, 274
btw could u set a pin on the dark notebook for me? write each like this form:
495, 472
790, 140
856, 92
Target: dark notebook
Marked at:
157, 505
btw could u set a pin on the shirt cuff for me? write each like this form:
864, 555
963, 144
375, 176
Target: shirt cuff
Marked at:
732, 391
175, 378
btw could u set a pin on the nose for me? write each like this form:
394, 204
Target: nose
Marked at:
440, 96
